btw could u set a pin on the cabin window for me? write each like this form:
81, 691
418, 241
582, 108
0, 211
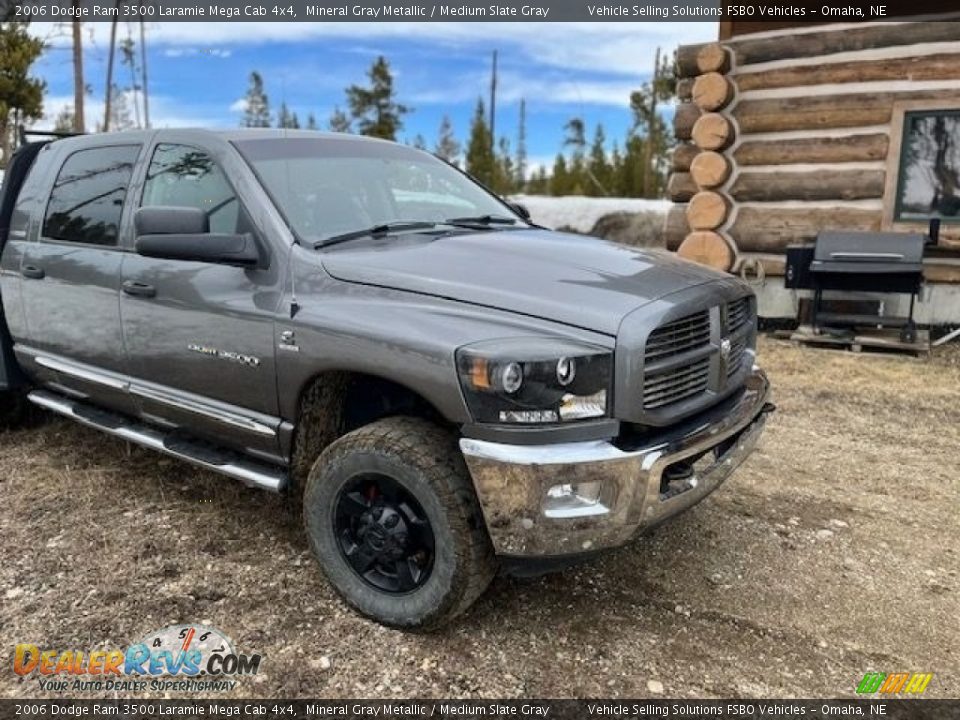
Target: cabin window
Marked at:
928, 185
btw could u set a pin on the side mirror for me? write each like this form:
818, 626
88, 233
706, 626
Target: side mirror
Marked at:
167, 220
520, 209
183, 233
219, 248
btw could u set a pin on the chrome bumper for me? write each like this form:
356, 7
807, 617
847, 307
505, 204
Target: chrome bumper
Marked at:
512, 481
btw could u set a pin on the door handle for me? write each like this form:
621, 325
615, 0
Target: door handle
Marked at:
138, 289
33, 272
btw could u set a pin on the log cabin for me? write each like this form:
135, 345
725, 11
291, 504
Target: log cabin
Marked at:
786, 129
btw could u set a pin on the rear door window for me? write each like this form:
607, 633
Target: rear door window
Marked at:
88, 196
183, 176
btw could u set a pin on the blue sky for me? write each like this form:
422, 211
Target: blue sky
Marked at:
199, 71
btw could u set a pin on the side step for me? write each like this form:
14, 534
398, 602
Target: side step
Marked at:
226, 462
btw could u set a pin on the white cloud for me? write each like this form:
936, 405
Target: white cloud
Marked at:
622, 48
239, 105
164, 112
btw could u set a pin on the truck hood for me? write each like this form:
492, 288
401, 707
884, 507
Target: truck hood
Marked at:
571, 279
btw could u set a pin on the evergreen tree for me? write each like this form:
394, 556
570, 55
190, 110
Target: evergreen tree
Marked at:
598, 168
21, 96
257, 111
539, 183
294, 121
504, 178
311, 122
120, 118
419, 142
283, 116
480, 161
560, 180
64, 120
576, 138
447, 146
521, 161
339, 122
648, 124
375, 108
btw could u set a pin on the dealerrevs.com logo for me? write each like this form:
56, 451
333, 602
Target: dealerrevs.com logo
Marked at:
181, 658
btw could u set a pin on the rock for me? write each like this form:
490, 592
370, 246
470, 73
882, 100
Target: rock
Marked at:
824, 534
838, 523
14, 593
655, 686
322, 663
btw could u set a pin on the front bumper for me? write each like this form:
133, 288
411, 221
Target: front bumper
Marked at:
512, 481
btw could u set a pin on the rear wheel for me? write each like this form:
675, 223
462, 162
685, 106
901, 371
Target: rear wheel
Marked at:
393, 520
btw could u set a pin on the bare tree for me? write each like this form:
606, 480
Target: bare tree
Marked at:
143, 70
79, 89
108, 93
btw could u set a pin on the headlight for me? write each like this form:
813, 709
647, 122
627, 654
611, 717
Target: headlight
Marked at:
535, 381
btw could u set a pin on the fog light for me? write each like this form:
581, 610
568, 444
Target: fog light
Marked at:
571, 500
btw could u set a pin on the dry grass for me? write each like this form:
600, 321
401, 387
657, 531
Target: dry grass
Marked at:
831, 553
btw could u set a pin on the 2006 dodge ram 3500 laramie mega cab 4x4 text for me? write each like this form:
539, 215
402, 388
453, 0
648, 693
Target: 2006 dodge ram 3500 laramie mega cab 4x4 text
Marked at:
446, 387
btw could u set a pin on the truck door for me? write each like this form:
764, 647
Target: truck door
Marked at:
70, 278
199, 336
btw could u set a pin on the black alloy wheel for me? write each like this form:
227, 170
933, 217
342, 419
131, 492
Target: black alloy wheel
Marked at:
384, 533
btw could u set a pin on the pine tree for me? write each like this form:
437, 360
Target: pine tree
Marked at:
521, 161
311, 122
539, 183
257, 112
294, 121
64, 120
21, 96
339, 122
576, 138
504, 178
648, 124
285, 118
480, 160
560, 180
598, 168
128, 57
419, 142
120, 118
374, 108
447, 146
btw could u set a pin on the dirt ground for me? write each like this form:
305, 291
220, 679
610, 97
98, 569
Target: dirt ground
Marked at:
834, 551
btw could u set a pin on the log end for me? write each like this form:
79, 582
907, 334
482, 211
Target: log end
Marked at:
712, 131
707, 248
712, 91
710, 169
707, 210
713, 57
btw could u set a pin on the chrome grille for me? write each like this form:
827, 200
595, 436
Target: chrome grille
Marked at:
678, 337
738, 313
736, 357
676, 384
682, 358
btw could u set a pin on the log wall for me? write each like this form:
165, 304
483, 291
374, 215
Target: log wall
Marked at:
792, 132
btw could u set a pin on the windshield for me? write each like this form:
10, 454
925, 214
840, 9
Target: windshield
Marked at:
328, 187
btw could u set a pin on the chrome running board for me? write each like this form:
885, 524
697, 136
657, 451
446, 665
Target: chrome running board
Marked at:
226, 462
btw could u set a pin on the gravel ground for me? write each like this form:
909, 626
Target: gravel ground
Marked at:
831, 553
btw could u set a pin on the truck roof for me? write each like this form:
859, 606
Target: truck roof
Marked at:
227, 134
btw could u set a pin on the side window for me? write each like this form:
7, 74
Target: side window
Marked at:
88, 195
183, 176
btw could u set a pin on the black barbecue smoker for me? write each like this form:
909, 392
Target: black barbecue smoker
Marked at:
876, 262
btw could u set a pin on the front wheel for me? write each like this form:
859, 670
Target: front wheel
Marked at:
392, 517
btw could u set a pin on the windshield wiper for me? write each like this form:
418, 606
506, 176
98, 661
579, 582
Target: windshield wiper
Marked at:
375, 231
481, 220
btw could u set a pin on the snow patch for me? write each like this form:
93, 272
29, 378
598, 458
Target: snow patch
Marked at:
582, 213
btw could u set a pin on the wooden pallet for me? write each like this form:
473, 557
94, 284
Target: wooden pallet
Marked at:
875, 339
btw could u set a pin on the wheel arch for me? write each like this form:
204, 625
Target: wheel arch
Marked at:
334, 402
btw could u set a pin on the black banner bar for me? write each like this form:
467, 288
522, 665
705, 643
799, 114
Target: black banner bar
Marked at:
458, 11
874, 708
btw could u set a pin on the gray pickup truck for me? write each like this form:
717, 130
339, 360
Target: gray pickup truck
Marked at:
444, 387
